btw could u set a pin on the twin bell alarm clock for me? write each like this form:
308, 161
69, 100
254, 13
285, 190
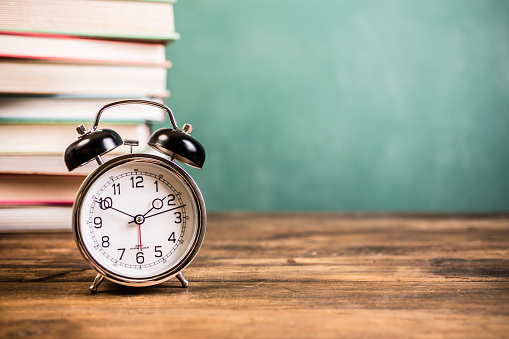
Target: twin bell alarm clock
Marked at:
138, 219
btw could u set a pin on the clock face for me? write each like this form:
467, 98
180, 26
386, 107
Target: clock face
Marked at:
139, 218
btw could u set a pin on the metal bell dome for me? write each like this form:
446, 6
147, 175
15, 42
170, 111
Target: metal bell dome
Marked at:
179, 145
89, 146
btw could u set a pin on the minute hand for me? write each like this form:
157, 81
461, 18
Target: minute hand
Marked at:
171, 209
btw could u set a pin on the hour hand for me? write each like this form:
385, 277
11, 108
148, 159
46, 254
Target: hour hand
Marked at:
107, 203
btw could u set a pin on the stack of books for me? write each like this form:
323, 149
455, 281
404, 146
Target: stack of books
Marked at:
60, 62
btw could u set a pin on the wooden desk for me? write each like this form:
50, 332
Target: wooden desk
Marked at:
277, 276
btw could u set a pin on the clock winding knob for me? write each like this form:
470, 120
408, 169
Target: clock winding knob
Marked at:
82, 129
187, 128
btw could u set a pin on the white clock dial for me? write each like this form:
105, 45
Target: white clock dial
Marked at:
139, 219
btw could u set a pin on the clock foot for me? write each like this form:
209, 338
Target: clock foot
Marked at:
97, 281
182, 280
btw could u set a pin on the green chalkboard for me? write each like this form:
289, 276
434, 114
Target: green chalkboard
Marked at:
353, 105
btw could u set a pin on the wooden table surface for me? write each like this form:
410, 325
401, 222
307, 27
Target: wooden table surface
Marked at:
277, 276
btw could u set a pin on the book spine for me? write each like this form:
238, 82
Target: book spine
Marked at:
163, 38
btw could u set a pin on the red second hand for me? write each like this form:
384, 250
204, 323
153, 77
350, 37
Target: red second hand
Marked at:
139, 232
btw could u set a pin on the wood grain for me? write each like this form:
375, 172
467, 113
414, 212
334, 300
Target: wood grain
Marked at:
278, 276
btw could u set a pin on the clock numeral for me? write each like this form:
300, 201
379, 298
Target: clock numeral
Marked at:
98, 222
172, 237
171, 198
122, 254
159, 253
140, 259
105, 203
116, 188
106, 241
179, 217
157, 185
138, 183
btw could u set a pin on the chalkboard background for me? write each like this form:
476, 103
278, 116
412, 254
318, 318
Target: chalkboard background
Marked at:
346, 105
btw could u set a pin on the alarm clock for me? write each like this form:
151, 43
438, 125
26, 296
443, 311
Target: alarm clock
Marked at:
138, 219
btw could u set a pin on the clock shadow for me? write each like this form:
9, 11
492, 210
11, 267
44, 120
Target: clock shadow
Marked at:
110, 288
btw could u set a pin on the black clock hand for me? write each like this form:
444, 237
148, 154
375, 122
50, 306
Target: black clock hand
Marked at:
113, 208
109, 206
154, 205
171, 209
157, 207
